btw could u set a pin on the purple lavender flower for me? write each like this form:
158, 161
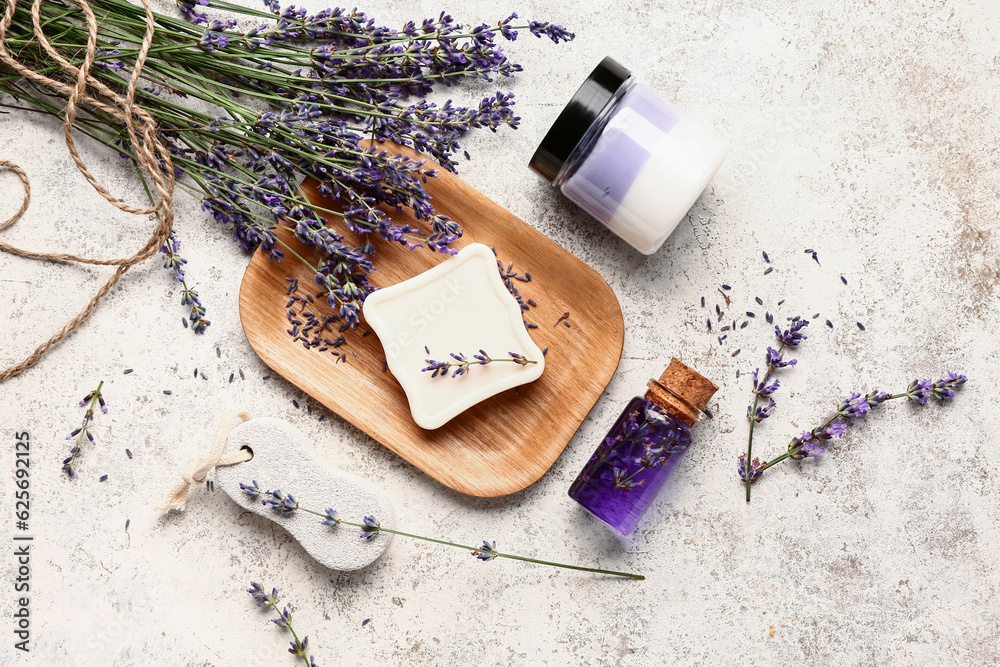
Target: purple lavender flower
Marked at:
370, 529
776, 359
944, 389
762, 412
299, 648
190, 12
749, 475
332, 518
762, 388
808, 443
920, 391
90, 400
793, 335
554, 32
252, 490
261, 596
461, 363
279, 501
854, 406
284, 619
487, 552
189, 297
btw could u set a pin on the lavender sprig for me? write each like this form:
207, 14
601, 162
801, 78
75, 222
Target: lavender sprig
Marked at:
750, 469
809, 443
94, 397
248, 113
284, 620
370, 528
461, 363
189, 297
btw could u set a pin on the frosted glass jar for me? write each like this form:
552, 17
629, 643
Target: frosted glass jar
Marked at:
628, 157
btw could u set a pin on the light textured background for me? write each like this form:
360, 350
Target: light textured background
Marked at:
865, 130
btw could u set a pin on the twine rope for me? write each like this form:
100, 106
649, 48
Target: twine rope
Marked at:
151, 154
176, 499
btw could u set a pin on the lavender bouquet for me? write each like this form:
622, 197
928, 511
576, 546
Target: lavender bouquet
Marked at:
247, 113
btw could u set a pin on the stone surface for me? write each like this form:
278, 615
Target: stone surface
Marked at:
284, 459
863, 130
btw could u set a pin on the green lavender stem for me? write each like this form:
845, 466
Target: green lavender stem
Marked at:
493, 553
753, 422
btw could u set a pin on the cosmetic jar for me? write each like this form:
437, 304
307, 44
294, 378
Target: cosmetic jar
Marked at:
628, 157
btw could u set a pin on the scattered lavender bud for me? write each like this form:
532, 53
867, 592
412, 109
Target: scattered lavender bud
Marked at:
196, 372
545, 350
751, 314
103, 478
781, 302
769, 318
735, 353
816, 316
816, 258
564, 317
295, 403
760, 302
725, 328
809, 250
184, 321
744, 325
385, 367
128, 452
232, 376
127, 371
366, 622
426, 350
242, 377
718, 311
566, 322
709, 323
860, 326
702, 302
128, 522
218, 352
829, 324
726, 287
768, 270
265, 377
766, 258
843, 280
167, 392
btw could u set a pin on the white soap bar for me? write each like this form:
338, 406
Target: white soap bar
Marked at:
284, 459
460, 306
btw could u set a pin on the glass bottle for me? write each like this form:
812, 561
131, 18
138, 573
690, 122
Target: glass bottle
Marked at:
642, 449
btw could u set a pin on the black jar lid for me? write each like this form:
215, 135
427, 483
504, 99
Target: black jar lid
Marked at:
583, 109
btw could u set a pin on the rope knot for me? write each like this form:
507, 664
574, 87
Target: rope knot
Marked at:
176, 499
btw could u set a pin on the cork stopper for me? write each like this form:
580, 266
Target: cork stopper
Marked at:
682, 392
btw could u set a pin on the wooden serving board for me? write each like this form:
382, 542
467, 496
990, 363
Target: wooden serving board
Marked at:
503, 444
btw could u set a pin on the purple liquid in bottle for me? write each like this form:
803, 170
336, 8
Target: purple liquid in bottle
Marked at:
630, 466
643, 448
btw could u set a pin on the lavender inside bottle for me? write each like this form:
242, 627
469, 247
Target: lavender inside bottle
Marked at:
632, 463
